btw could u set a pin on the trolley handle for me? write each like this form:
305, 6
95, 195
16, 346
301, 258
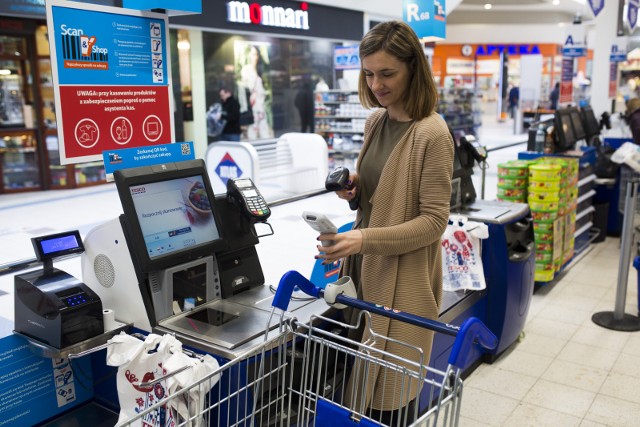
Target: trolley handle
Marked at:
471, 331
287, 284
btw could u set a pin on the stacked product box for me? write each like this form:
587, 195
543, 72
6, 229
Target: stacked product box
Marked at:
568, 203
545, 181
513, 177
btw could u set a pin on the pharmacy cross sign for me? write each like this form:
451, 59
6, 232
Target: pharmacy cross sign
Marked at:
596, 6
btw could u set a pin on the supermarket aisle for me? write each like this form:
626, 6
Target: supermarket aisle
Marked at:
566, 371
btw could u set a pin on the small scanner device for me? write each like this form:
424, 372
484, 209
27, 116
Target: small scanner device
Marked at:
51, 305
321, 224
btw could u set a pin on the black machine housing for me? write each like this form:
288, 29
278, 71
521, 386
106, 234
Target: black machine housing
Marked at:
56, 308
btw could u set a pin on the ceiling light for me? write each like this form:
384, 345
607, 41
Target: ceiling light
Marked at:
555, 2
487, 6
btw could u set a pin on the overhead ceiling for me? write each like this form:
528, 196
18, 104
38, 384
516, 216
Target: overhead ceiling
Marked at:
519, 11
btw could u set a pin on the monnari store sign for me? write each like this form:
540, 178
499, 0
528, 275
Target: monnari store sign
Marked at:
241, 12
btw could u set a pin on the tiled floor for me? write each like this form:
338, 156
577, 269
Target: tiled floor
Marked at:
566, 370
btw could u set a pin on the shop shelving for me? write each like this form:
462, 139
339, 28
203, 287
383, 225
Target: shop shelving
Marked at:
340, 119
460, 108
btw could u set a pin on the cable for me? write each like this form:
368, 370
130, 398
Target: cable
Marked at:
293, 298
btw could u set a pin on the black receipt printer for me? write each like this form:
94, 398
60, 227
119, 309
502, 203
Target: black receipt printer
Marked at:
52, 306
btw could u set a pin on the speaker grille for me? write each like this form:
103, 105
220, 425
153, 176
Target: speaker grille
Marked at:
104, 270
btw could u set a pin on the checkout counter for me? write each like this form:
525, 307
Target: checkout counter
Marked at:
179, 261
210, 292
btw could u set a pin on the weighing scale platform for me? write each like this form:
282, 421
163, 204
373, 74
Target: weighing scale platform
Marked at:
228, 327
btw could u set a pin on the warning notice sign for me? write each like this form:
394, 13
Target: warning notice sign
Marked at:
111, 79
113, 117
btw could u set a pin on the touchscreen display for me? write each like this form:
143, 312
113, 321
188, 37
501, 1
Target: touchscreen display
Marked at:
567, 129
174, 215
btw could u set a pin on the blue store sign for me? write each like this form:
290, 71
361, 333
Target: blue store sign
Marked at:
228, 169
427, 18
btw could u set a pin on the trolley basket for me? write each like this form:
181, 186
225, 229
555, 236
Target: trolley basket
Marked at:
314, 374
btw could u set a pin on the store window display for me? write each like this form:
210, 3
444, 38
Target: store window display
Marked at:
267, 72
254, 59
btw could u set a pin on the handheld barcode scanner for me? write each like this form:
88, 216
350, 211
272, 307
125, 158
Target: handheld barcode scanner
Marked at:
337, 180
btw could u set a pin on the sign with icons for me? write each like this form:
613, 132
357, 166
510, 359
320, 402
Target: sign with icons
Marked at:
428, 18
111, 79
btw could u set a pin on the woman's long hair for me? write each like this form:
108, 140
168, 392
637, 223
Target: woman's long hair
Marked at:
398, 39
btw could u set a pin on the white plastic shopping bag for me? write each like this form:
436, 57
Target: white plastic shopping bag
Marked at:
461, 258
188, 407
629, 154
139, 362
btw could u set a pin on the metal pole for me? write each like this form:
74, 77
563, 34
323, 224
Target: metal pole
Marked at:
483, 167
625, 250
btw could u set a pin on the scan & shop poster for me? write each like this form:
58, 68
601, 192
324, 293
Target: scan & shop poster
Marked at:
111, 79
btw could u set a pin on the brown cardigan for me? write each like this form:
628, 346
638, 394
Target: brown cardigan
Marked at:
401, 265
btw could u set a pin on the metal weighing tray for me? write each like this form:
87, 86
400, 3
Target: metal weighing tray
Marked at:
231, 326
221, 323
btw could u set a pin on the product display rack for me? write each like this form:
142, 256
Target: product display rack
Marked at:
583, 233
461, 109
340, 118
29, 151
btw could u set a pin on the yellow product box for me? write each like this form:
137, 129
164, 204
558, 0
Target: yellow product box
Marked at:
543, 275
544, 265
543, 226
546, 247
545, 172
513, 169
569, 226
519, 193
544, 216
542, 194
558, 237
543, 237
537, 206
544, 257
535, 185
506, 182
569, 245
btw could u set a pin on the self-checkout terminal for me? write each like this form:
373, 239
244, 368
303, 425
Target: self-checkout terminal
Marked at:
52, 306
182, 260
508, 254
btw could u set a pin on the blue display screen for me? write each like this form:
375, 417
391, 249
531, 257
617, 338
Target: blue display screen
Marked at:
59, 244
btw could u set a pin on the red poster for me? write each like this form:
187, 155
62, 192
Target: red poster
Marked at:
113, 117
613, 79
566, 92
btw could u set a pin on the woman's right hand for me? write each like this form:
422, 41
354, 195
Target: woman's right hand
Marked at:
351, 190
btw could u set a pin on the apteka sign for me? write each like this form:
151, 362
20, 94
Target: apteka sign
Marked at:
253, 13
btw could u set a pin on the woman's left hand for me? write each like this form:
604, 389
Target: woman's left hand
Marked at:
345, 244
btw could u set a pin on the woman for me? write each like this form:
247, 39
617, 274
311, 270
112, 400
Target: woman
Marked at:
403, 184
633, 118
251, 75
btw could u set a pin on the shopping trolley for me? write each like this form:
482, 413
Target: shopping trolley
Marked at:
314, 374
